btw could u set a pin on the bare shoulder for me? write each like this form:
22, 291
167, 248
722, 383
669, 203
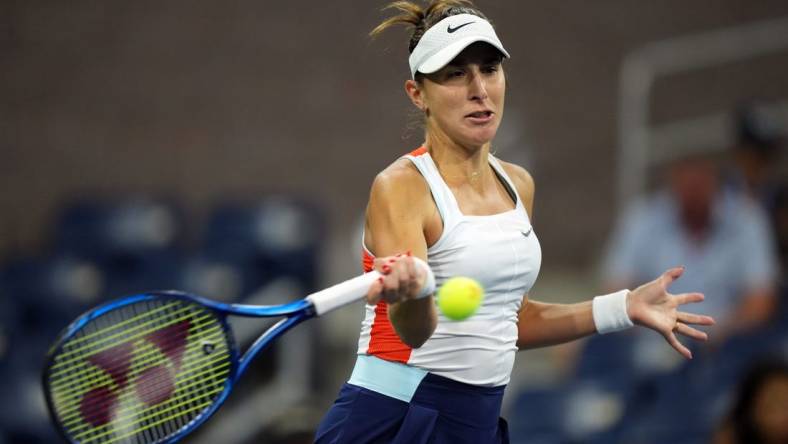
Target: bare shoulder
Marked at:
401, 172
397, 211
524, 183
400, 185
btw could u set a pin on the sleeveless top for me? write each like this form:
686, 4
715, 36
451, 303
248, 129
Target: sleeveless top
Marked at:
502, 253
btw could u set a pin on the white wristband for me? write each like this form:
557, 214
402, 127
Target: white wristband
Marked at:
610, 312
429, 284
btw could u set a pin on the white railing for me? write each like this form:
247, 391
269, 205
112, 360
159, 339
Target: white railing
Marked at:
641, 68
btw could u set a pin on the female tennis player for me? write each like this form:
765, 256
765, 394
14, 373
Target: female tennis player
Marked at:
420, 377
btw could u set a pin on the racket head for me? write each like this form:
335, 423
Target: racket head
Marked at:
147, 368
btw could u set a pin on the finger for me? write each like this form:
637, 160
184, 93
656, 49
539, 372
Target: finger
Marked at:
374, 292
688, 298
404, 275
671, 275
414, 285
410, 266
391, 287
674, 342
405, 271
380, 262
686, 330
403, 286
689, 318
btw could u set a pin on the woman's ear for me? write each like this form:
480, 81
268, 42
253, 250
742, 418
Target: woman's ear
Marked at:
416, 94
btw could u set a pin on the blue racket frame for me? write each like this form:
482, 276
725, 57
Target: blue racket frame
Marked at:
294, 312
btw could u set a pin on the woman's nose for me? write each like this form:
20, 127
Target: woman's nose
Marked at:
477, 87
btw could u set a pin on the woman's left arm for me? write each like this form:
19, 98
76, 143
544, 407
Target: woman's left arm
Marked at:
650, 305
541, 324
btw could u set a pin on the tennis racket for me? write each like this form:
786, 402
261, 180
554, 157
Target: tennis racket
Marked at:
152, 367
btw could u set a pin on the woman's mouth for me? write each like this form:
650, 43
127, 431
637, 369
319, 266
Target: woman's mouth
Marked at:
480, 117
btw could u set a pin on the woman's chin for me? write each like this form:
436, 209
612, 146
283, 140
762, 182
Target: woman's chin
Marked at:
480, 138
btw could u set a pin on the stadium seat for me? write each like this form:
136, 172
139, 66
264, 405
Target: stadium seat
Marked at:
538, 416
49, 289
103, 229
38, 299
607, 360
277, 236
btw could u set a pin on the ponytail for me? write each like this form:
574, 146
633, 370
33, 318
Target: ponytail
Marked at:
420, 19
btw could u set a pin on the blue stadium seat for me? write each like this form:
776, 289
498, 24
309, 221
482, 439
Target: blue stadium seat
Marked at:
38, 298
103, 229
277, 236
594, 409
682, 406
686, 405
23, 416
607, 360
136, 241
51, 290
538, 416
213, 278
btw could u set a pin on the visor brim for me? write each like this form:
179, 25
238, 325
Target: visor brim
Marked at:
447, 54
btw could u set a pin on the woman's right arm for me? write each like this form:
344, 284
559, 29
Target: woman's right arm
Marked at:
399, 205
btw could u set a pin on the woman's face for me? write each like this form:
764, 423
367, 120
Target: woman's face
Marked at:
465, 99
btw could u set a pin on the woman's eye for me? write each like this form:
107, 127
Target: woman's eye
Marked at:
490, 69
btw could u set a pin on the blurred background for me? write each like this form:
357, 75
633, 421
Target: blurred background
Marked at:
227, 148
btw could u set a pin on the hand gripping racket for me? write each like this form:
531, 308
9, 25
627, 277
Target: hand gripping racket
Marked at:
151, 368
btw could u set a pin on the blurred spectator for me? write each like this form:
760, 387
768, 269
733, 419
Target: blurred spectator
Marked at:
760, 412
758, 144
780, 219
721, 237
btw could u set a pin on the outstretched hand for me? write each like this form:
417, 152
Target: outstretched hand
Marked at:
650, 305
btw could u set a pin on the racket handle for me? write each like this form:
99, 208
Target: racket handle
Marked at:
354, 289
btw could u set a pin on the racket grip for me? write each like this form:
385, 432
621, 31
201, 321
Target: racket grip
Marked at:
354, 289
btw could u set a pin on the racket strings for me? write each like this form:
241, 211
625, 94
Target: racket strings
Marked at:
84, 336
140, 359
71, 416
141, 423
132, 393
183, 413
197, 369
157, 435
77, 381
173, 360
69, 355
107, 342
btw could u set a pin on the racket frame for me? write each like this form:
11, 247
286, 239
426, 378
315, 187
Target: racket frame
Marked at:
316, 304
294, 313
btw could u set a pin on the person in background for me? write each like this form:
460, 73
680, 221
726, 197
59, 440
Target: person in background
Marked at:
722, 237
760, 412
755, 154
780, 220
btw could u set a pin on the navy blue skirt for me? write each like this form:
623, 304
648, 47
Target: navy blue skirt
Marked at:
442, 411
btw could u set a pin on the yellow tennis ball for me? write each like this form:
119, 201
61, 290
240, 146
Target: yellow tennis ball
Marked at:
460, 297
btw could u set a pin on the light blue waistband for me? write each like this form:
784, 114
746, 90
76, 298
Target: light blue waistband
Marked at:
393, 379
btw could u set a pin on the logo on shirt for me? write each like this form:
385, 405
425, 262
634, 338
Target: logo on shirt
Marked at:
527, 233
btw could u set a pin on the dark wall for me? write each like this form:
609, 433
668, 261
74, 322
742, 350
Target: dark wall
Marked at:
206, 99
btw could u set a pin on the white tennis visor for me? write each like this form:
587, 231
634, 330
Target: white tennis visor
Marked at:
447, 38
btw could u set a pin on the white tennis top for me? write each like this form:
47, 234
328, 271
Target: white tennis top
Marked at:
502, 253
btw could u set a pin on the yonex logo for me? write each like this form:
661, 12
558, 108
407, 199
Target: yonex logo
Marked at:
152, 385
451, 30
